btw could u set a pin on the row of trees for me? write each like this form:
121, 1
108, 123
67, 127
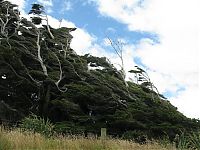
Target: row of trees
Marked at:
41, 74
33, 60
141, 76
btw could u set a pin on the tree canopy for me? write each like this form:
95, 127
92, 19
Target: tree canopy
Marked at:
41, 74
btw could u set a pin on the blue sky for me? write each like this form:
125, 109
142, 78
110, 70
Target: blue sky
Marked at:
85, 15
160, 36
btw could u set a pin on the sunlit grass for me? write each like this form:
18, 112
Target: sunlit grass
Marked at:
18, 140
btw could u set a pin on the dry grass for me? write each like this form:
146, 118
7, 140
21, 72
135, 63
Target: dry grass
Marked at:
28, 141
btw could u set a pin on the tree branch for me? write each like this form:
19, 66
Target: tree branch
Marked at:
44, 68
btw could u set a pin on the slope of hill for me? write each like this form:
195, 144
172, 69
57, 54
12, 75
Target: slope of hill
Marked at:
41, 74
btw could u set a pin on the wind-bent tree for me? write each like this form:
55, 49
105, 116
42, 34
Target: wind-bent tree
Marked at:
118, 48
41, 74
33, 60
144, 80
39, 15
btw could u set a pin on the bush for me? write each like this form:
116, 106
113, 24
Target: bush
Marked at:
69, 128
37, 124
137, 136
195, 140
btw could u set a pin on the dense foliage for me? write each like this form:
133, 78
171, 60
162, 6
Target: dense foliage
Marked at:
41, 74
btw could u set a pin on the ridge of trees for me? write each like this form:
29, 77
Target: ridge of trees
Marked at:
41, 74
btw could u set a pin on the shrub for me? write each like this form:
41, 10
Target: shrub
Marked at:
137, 136
68, 128
182, 142
37, 124
195, 140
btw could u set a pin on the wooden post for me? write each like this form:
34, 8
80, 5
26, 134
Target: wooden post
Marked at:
103, 133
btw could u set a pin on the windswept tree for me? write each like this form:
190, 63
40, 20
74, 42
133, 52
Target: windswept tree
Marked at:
41, 74
144, 80
39, 15
118, 49
34, 63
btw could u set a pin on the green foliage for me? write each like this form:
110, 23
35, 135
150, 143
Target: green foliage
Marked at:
135, 135
188, 141
165, 141
37, 124
36, 20
182, 141
195, 140
40, 73
144, 80
69, 128
36, 9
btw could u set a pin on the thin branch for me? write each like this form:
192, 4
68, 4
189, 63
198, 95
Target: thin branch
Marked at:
117, 46
61, 72
48, 28
44, 68
4, 24
18, 23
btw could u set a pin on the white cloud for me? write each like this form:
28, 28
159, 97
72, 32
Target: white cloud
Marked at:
20, 3
174, 61
55, 23
110, 29
82, 41
66, 6
188, 102
46, 3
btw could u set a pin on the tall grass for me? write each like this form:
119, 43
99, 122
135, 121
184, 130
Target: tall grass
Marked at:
4, 142
18, 140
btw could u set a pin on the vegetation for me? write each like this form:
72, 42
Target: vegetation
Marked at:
37, 124
26, 141
40, 74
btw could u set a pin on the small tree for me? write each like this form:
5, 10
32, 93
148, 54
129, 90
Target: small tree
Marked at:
39, 15
118, 48
144, 80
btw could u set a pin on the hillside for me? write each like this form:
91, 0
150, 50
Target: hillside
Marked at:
41, 74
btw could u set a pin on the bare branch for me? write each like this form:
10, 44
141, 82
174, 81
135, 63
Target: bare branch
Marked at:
44, 68
48, 28
60, 76
118, 48
4, 24
18, 23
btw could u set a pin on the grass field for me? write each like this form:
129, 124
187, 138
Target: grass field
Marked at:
17, 140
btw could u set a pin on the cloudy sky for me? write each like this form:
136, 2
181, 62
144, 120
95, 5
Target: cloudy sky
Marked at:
162, 36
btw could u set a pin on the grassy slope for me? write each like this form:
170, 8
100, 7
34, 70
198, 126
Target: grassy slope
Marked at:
29, 141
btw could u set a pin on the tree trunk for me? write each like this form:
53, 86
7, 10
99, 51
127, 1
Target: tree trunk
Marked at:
44, 100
